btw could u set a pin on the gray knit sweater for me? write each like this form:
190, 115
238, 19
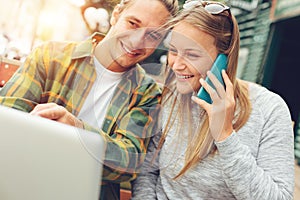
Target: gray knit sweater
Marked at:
257, 162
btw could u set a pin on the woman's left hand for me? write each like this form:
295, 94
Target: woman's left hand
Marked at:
221, 111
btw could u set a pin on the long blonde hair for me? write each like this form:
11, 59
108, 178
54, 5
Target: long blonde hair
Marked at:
224, 28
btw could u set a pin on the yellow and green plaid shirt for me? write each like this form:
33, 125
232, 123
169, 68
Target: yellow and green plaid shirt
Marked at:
63, 73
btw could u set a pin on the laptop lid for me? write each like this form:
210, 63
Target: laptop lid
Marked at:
41, 159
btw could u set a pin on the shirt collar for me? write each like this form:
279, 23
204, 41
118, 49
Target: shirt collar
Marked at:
86, 48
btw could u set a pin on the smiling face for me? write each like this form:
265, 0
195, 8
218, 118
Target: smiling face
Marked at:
134, 34
191, 54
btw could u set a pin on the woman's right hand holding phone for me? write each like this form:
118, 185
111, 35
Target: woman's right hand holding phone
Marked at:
221, 110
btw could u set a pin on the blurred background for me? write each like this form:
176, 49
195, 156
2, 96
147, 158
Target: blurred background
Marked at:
269, 29
26, 23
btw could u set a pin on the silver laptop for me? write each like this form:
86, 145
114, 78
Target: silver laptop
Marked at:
42, 159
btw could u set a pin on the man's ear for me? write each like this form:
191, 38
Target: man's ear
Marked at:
115, 15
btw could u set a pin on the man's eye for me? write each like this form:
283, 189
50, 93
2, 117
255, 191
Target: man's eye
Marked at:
132, 23
154, 36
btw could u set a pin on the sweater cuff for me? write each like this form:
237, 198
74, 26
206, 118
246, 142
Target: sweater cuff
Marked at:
229, 145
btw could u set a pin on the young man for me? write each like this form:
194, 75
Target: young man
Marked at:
98, 85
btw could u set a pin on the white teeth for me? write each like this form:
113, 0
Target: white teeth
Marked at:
128, 51
184, 76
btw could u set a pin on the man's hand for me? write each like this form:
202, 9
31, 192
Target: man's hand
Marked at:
58, 113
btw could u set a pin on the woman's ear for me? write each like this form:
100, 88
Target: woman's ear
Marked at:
115, 15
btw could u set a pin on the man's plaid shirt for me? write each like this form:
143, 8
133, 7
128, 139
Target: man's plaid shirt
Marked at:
63, 73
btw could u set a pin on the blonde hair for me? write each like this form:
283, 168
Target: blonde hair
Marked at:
224, 28
171, 5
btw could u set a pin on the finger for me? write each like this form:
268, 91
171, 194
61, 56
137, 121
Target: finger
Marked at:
210, 90
53, 113
217, 84
70, 119
201, 103
228, 83
41, 107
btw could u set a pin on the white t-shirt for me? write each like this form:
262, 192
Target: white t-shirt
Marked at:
95, 106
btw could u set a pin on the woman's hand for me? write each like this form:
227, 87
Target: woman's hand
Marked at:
55, 112
221, 111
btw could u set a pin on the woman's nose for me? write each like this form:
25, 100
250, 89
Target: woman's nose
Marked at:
179, 63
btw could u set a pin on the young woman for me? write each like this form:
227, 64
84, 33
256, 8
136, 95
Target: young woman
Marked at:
240, 146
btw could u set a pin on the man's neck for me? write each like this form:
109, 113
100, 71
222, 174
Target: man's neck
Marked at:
103, 56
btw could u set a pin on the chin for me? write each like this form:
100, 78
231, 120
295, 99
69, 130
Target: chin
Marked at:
183, 90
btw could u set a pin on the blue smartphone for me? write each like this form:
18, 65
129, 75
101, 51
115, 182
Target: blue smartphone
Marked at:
217, 67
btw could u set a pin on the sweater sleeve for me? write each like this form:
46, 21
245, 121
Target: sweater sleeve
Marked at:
270, 175
144, 186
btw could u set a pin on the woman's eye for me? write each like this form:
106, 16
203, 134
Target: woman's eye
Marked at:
192, 55
172, 51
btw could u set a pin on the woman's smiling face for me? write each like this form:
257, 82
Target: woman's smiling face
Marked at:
191, 54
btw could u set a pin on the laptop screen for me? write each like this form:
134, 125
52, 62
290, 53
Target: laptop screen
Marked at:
44, 159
